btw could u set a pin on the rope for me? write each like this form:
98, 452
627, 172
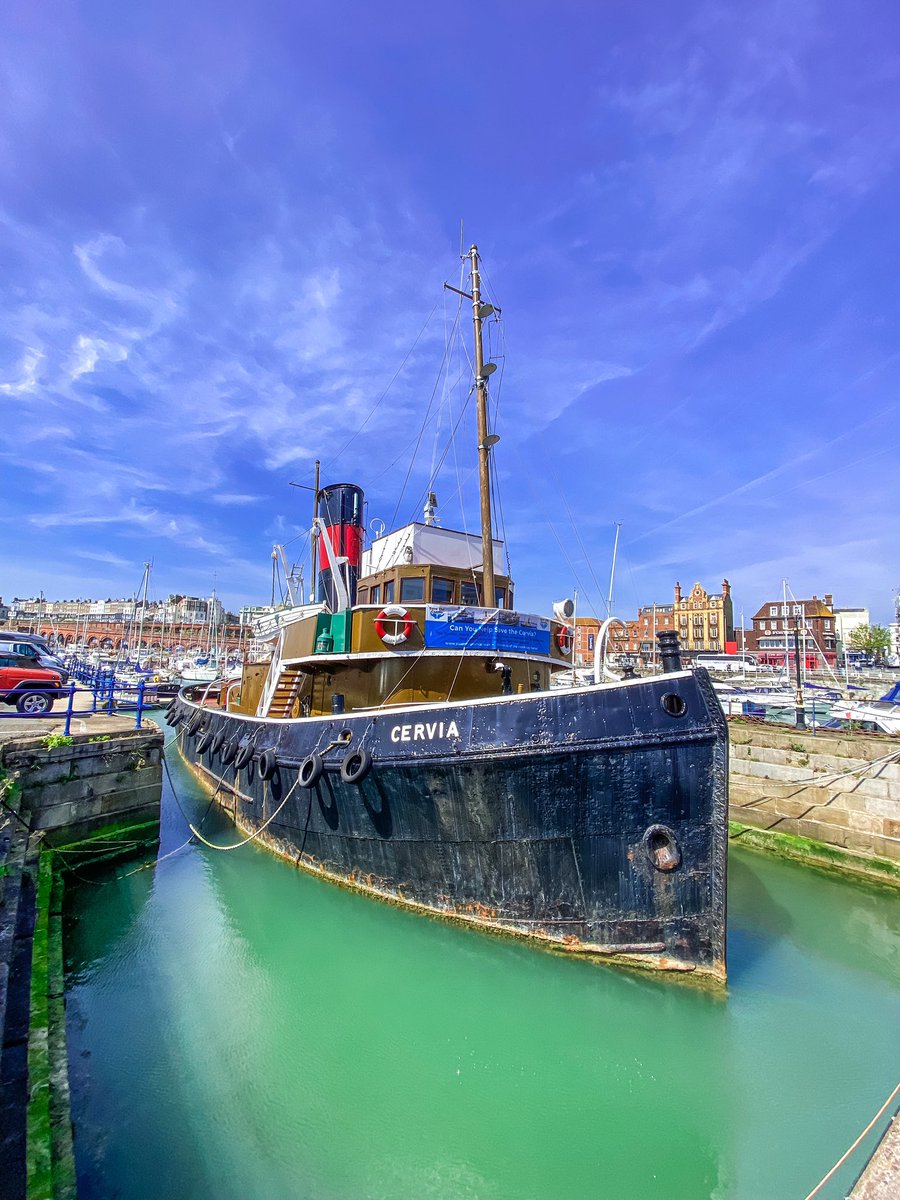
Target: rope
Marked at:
253, 836
840, 1162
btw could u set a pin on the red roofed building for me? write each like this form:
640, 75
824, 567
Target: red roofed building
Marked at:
774, 625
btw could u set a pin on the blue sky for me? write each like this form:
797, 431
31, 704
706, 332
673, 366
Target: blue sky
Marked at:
224, 227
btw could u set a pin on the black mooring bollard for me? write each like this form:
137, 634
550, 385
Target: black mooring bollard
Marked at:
669, 650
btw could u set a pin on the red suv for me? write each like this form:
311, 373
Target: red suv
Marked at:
30, 688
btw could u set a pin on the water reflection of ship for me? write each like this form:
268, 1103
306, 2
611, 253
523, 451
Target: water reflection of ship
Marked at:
383, 752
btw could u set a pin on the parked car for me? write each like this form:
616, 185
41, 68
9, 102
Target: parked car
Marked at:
31, 688
34, 647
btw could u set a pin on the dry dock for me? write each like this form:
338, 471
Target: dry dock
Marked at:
65, 802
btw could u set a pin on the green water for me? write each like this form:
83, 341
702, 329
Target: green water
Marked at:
240, 1030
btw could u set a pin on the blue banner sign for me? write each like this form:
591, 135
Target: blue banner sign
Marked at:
486, 629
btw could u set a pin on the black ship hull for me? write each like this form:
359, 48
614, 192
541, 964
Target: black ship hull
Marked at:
593, 820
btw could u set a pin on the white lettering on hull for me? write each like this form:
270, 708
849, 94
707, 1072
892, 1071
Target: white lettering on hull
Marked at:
424, 731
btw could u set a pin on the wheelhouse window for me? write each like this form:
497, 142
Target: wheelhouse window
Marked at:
412, 589
362, 596
441, 591
500, 597
389, 591
468, 593
376, 594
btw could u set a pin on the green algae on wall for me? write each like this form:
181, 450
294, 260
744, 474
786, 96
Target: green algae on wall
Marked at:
815, 854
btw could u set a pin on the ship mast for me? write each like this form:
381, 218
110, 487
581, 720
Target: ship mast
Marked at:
484, 441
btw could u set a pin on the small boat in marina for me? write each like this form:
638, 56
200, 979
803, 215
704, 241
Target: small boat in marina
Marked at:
883, 715
402, 738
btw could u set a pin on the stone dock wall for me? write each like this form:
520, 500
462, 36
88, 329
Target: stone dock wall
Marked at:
831, 799
93, 798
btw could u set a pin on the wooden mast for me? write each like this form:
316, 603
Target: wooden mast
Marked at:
484, 446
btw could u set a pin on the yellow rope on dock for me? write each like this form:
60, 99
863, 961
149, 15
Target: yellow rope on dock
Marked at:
840, 1162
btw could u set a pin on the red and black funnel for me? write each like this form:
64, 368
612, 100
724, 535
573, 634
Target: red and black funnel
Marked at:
341, 509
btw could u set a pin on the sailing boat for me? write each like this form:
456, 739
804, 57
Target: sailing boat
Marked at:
402, 739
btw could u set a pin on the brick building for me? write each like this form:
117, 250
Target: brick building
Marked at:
773, 630
704, 620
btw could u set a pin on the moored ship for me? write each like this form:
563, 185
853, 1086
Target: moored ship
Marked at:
403, 739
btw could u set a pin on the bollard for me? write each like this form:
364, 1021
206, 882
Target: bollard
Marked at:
670, 651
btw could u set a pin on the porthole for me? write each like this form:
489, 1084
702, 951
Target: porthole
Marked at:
675, 705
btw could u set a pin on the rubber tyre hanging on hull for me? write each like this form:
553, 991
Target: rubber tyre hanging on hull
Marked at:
311, 770
194, 724
204, 740
216, 744
243, 755
356, 765
229, 750
268, 764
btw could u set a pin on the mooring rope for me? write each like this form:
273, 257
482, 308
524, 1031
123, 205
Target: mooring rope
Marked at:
840, 1162
255, 835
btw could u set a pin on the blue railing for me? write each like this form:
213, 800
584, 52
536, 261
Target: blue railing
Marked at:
103, 690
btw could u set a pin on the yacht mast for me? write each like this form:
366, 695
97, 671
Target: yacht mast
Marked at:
484, 441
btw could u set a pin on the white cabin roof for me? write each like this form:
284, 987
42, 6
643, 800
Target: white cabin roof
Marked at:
430, 545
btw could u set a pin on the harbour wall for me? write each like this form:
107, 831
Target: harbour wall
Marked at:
65, 807
831, 800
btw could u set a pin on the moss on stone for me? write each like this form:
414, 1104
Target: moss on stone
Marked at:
817, 854
38, 1155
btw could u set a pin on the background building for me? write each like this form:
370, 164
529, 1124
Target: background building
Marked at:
773, 631
705, 620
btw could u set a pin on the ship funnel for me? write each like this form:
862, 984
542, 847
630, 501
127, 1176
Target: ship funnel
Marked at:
341, 509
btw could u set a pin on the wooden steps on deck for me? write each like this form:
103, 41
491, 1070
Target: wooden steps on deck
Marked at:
286, 691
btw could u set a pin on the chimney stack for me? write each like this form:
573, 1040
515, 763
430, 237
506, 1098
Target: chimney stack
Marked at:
677, 593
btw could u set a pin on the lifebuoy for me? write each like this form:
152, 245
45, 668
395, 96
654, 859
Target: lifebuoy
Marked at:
393, 614
564, 639
311, 770
356, 765
243, 755
268, 764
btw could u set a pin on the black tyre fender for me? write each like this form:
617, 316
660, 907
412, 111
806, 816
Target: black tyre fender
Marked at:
229, 750
217, 739
171, 706
268, 764
176, 718
204, 740
194, 723
243, 755
34, 702
355, 765
311, 770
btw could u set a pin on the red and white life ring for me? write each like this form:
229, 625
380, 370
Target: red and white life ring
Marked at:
396, 616
564, 639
